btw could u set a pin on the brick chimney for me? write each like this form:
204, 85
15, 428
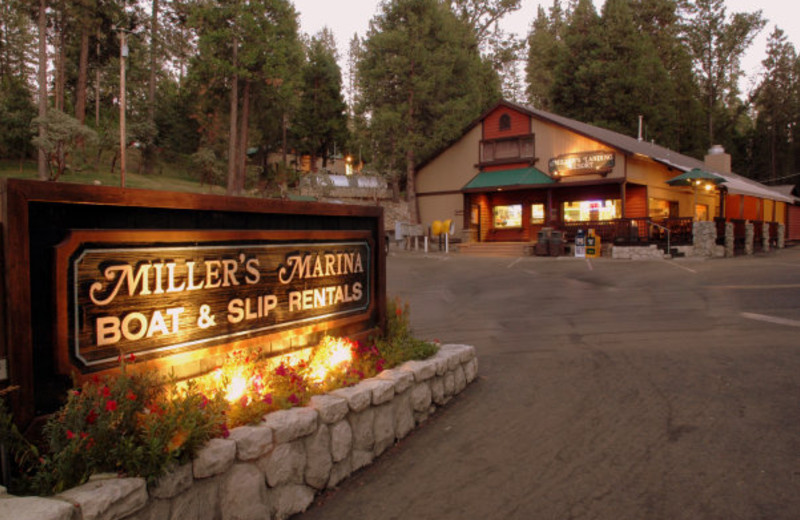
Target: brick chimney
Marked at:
718, 160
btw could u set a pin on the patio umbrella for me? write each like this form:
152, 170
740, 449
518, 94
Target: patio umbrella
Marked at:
694, 178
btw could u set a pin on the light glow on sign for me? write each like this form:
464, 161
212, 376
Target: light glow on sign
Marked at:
153, 301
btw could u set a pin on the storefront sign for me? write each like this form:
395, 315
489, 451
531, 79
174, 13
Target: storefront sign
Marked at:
135, 297
584, 163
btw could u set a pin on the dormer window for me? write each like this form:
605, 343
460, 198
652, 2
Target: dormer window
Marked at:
505, 122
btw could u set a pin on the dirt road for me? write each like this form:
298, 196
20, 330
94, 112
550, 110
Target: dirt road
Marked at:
607, 390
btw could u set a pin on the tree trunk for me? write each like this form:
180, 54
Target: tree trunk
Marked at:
61, 72
83, 74
241, 166
411, 190
411, 194
97, 88
42, 159
151, 95
148, 150
234, 116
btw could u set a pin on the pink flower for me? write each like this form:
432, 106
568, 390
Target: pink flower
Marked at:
130, 395
293, 399
111, 405
106, 391
280, 370
91, 417
70, 435
268, 399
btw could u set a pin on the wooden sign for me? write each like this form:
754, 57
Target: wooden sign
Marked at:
583, 163
125, 295
180, 280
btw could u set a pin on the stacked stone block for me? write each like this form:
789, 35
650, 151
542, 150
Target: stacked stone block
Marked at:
274, 469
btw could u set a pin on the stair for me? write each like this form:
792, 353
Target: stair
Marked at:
503, 249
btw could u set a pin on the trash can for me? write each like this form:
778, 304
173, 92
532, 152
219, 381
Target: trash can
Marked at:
556, 243
542, 244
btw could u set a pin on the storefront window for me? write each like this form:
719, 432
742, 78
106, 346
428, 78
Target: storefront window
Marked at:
508, 216
588, 210
537, 214
663, 209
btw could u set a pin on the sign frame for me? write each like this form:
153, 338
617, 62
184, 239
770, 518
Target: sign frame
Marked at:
80, 242
35, 216
597, 162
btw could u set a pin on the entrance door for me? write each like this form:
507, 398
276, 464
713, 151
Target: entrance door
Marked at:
475, 221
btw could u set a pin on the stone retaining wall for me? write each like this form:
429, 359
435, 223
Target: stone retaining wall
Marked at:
274, 469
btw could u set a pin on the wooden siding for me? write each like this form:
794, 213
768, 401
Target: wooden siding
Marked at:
520, 124
636, 201
751, 209
792, 222
501, 167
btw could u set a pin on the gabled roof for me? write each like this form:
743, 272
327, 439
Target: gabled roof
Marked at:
735, 184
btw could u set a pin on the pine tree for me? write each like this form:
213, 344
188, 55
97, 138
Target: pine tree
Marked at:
321, 120
776, 104
421, 79
716, 43
545, 49
579, 73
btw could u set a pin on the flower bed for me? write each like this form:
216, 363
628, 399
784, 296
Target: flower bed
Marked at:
271, 469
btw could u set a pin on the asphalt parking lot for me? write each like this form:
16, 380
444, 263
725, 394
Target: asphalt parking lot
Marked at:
607, 389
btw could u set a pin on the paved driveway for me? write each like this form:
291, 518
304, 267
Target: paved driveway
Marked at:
607, 389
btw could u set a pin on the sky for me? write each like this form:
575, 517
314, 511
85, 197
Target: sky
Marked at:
353, 16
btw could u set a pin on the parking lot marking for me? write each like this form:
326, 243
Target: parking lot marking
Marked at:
757, 287
515, 262
683, 267
589, 264
771, 319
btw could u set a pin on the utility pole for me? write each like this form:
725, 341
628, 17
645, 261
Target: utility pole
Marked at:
123, 53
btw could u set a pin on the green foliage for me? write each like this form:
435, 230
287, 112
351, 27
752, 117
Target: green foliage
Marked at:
208, 167
422, 80
134, 423
16, 113
399, 345
774, 146
321, 121
63, 135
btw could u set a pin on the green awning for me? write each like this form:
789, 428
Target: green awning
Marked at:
508, 179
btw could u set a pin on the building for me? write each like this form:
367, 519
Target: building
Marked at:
516, 170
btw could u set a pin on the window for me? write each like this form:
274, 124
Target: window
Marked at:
505, 122
508, 216
662, 209
537, 214
591, 210
701, 211
507, 149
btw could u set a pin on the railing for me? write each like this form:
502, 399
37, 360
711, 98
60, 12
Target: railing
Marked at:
720, 223
739, 235
758, 235
631, 231
773, 234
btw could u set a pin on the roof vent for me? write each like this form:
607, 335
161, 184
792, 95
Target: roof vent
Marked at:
716, 149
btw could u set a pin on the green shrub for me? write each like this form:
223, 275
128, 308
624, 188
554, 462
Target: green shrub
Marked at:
399, 345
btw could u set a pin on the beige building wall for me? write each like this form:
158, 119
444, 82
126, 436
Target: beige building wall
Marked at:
439, 182
453, 168
442, 207
553, 140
